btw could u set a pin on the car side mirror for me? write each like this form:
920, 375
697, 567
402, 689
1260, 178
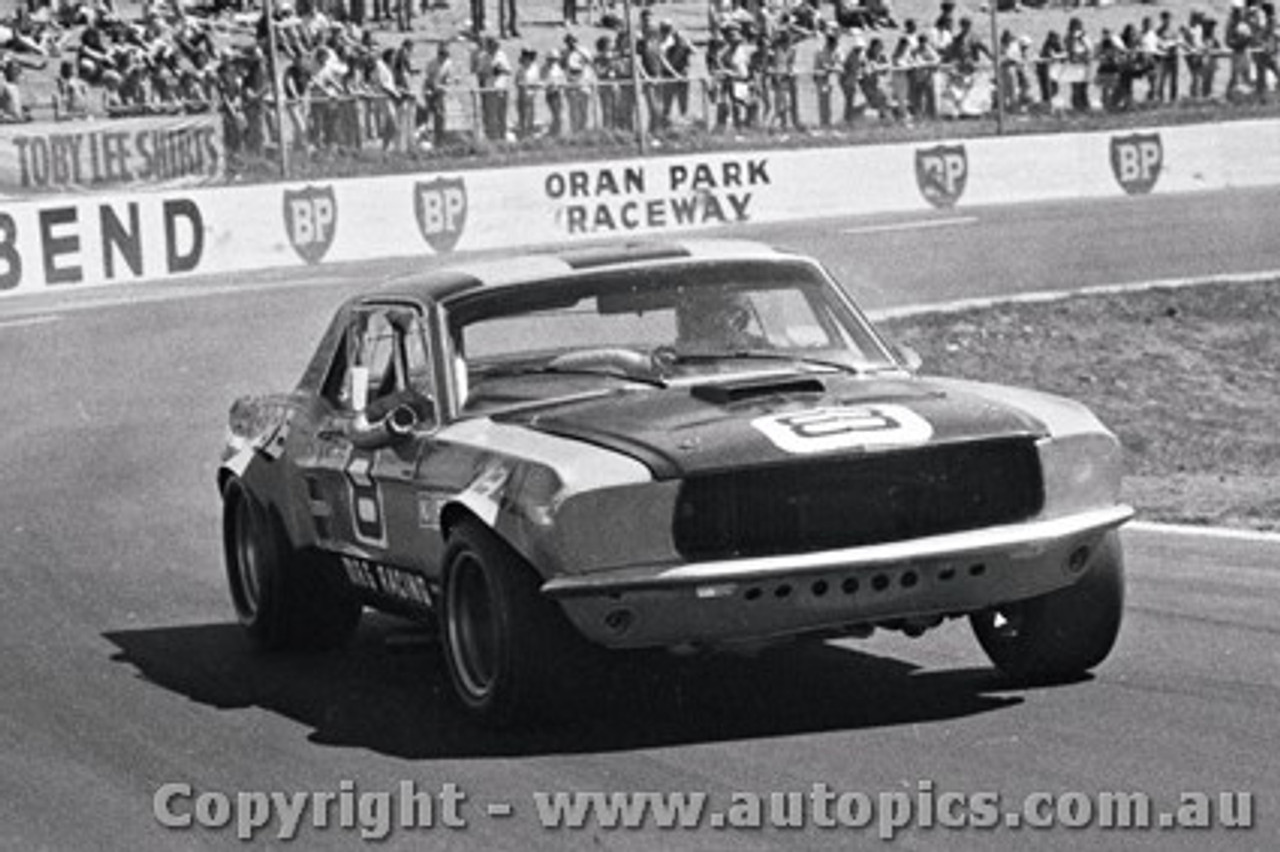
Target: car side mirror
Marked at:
406, 413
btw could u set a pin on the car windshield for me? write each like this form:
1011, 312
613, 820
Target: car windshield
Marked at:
663, 324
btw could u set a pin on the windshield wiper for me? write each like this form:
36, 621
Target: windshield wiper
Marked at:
760, 355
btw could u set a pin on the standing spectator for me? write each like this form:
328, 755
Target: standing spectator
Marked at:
404, 15
901, 64
677, 56
1239, 38
924, 94
1014, 86
477, 18
1171, 47
736, 67
623, 68
652, 70
875, 68
569, 9
507, 26
576, 64
297, 85
1212, 47
1263, 45
386, 100
528, 84
1052, 55
402, 72
493, 75
1079, 55
553, 80
782, 76
826, 68
1193, 37
604, 66
437, 79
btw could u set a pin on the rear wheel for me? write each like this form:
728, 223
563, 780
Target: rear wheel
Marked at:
282, 599
1063, 634
509, 649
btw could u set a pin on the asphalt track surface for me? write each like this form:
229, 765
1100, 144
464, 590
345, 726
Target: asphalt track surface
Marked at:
122, 670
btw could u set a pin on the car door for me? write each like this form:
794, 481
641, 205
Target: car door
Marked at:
360, 482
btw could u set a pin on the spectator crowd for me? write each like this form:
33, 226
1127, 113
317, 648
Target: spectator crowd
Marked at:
350, 77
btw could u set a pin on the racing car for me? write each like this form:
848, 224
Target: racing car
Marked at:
693, 445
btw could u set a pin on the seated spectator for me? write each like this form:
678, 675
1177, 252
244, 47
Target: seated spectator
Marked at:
93, 58
71, 96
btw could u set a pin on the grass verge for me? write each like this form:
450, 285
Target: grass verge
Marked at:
1186, 377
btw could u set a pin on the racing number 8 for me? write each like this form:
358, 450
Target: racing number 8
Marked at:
366, 499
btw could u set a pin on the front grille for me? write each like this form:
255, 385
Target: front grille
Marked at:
830, 503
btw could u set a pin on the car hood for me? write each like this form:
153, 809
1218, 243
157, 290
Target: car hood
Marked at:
767, 419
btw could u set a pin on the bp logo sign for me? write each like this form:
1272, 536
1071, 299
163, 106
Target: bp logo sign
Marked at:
441, 209
1136, 161
310, 218
941, 173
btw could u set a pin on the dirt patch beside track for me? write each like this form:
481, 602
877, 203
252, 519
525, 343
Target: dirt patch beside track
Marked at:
1186, 377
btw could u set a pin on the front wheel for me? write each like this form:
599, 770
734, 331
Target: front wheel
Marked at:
1063, 634
281, 600
508, 647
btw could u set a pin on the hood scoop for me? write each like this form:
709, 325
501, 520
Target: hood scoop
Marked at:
727, 393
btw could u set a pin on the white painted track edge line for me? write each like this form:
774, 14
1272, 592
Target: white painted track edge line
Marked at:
1194, 530
977, 302
912, 225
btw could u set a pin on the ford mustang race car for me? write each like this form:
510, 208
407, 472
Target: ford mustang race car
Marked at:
692, 446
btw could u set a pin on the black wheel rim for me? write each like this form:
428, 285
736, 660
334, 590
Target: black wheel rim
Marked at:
473, 630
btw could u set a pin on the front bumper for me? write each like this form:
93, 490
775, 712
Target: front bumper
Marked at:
743, 599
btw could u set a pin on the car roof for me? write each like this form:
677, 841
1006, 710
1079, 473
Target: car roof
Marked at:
449, 281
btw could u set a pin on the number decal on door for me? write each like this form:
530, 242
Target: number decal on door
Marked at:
366, 499
821, 430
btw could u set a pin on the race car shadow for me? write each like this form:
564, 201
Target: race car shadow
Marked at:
388, 692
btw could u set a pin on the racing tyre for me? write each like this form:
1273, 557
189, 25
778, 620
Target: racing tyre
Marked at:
508, 648
282, 600
1061, 635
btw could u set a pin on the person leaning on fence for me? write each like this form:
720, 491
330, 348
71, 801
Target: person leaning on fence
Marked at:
827, 60
851, 76
1212, 50
437, 78
577, 83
